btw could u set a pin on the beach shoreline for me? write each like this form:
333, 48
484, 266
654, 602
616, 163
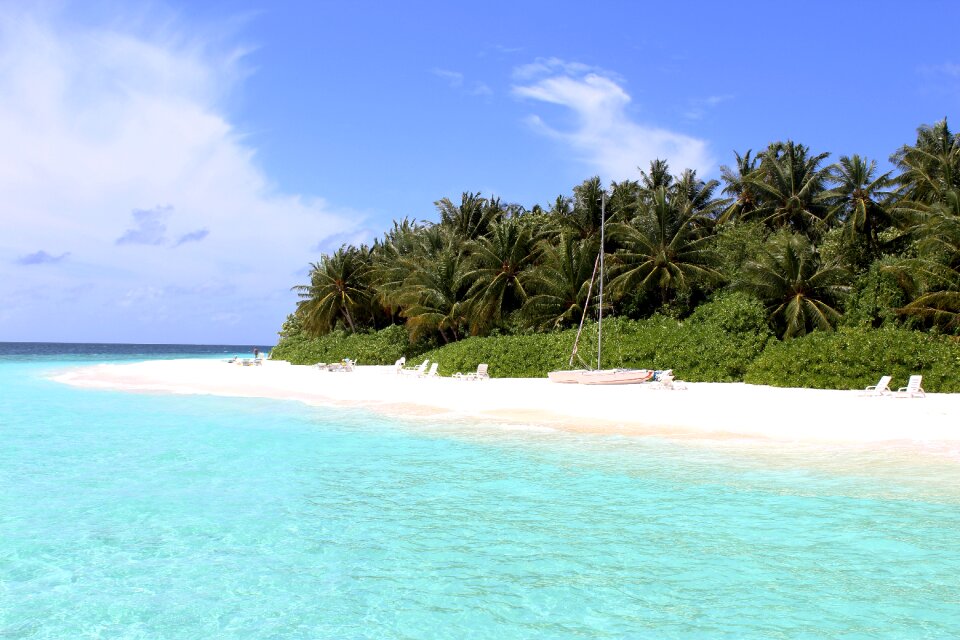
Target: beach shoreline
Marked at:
702, 410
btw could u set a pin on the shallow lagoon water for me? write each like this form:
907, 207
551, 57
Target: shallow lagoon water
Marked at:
129, 515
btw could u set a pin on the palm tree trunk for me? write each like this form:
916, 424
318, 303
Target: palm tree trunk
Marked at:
349, 319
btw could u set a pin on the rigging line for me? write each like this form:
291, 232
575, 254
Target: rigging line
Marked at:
576, 342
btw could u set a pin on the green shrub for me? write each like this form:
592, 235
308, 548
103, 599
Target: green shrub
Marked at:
702, 349
518, 356
873, 299
379, 347
853, 358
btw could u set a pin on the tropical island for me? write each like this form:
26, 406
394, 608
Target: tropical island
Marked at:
789, 271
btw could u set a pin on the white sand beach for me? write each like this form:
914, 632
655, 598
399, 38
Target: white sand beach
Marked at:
701, 410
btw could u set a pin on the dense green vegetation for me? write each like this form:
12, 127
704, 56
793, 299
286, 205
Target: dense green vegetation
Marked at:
790, 271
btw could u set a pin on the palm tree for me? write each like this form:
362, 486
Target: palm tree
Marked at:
471, 219
584, 217
434, 293
797, 288
738, 186
789, 186
498, 262
337, 289
659, 176
933, 277
559, 283
858, 197
690, 191
931, 167
665, 246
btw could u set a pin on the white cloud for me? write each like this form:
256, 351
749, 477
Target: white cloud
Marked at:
604, 135
454, 78
700, 106
99, 122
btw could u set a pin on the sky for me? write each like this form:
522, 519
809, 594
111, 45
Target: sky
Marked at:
170, 170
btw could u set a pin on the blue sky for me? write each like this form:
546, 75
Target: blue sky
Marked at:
169, 170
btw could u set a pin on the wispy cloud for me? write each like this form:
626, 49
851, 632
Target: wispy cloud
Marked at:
149, 227
701, 106
453, 78
949, 69
605, 136
102, 121
193, 236
41, 257
456, 80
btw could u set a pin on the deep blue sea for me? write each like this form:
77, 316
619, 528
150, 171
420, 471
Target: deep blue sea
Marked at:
132, 515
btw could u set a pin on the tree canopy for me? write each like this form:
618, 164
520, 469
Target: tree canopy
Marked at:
802, 236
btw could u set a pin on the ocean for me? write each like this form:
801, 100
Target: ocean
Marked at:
136, 515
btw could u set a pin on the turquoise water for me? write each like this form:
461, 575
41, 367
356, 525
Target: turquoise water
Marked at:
158, 516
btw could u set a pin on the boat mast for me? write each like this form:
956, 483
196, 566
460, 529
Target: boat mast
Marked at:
600, 313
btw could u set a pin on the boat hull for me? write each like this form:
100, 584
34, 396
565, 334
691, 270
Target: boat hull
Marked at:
602, 376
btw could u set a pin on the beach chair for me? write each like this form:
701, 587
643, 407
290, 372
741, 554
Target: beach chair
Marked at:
882, 388
479, 374
913, 388
432, 373
418, 371
344, 365
398, 365
665, 380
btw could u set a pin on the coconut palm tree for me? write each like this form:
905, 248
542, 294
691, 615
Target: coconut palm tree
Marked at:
858, 199
471, 219
931, 167
559, 282
690, 191
666, 246
933, 276
745, 198
434, 293
584, 216
337, 289
789, 186
800, 292
498, 261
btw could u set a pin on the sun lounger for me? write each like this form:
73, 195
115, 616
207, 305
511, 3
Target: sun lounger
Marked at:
882, 388
344, 365
432, 373
665, 380
479, 374
913, 388
398, 365
416, 370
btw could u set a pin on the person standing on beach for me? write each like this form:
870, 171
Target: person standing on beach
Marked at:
256, 352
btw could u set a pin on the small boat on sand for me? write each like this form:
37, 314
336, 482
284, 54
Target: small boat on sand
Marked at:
598, 375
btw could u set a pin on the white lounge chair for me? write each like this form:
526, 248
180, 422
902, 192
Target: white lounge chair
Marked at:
479, 374
417, 370
882, 388
398, 365
913, 388
432, 373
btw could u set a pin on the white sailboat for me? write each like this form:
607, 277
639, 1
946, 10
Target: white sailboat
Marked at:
598, 375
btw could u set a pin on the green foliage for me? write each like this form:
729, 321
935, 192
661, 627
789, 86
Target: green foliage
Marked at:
732, 312
380, 347
807, 246
874, 298
517, 356
853, 358
718, 345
